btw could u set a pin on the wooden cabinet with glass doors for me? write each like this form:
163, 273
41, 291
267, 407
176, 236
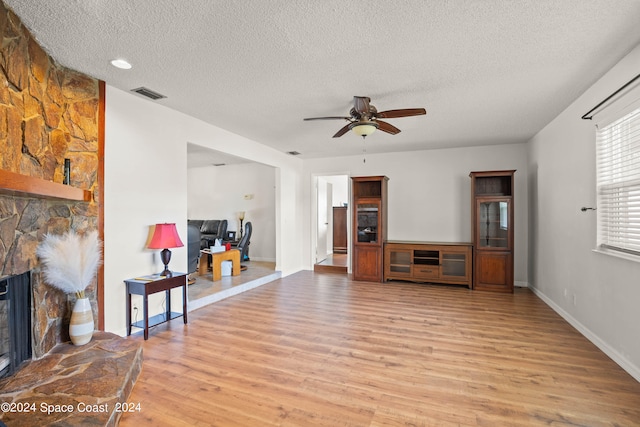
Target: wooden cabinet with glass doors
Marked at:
369, 227
492, 230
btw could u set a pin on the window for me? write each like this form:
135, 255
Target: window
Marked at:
618, 184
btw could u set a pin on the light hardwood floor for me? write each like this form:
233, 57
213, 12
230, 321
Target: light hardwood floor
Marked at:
320, 350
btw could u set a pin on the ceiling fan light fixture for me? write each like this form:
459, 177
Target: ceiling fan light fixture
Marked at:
364, 128
364, 118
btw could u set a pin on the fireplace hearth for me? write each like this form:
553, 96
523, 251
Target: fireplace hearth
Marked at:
15, 322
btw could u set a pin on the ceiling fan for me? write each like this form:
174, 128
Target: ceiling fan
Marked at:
364, 118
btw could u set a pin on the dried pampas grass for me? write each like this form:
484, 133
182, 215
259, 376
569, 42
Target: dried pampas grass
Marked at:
70, 261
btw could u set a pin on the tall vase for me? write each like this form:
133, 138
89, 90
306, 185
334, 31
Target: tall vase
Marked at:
81, 325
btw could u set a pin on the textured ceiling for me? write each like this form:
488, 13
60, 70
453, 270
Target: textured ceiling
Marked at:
488, 72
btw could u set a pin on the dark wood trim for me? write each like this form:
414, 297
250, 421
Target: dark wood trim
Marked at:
99, 198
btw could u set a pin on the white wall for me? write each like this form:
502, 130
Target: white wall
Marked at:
598, 294
146, 183
340, 185
220, 192
430, 192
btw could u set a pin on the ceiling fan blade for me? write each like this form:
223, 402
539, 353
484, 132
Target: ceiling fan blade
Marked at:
386, 127
406, 112
328, 118
342, 131
361, 105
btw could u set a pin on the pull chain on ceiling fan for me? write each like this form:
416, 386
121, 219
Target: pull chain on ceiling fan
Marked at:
365, 119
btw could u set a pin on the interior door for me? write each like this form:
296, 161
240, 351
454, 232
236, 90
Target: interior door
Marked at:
329, 216
323, 195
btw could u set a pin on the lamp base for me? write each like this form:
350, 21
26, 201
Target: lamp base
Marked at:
165, 256
166, 272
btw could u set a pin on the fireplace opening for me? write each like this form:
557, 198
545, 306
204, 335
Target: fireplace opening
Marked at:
15, 322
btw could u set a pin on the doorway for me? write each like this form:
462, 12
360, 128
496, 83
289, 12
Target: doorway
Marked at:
253, 192
331, 224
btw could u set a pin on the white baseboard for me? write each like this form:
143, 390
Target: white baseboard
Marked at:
521, 284
625, 364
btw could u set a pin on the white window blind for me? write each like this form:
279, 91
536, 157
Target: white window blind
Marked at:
618, 184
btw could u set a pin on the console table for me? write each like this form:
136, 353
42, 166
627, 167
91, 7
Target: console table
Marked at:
232, 255
147, 285
430, 262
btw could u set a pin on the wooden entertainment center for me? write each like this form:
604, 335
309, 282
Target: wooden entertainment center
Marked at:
447, 263
486, 263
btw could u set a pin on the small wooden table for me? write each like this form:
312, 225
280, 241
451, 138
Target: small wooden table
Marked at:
147, 285
232, 255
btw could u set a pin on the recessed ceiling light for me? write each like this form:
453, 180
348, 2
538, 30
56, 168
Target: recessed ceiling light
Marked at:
121, 63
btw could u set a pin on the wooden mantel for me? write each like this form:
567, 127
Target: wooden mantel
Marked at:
27, 186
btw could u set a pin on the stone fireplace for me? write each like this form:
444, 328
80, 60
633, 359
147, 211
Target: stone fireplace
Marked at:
27, 220
49, 116
48, 113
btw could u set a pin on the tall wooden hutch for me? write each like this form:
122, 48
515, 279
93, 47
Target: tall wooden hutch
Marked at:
340, 229
369, 227
492, 228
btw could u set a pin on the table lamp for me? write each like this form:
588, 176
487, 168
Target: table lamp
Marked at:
165, 236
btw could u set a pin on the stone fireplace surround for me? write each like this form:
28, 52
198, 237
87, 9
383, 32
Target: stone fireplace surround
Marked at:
63, 384
27, 220
49, 113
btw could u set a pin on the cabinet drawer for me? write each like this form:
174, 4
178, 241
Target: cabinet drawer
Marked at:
426, 271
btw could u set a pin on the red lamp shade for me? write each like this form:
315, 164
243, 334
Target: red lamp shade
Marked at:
165, 236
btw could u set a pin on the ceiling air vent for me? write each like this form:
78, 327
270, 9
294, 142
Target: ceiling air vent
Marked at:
293, 153
148, 93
